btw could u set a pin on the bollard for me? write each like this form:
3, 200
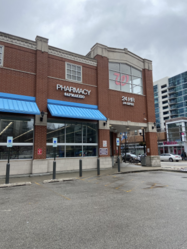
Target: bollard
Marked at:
98, 166
7, 173
80, 168
54, 170
118, 164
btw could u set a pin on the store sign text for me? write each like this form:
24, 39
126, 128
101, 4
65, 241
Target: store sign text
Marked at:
73, 91
128, 101
124, 79
171, 142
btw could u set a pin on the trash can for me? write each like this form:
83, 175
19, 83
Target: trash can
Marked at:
143, 161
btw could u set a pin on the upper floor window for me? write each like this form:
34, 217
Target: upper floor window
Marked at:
73, 72
1, 55
125, 78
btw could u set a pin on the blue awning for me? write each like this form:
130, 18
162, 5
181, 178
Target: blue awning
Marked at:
74, 110
18, 104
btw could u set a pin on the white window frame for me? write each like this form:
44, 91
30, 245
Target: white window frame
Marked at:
1, 64
66, 72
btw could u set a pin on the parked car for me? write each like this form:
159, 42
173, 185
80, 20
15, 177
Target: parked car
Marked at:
170, 157
130, 157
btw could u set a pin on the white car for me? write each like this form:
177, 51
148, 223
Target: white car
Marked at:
170, 157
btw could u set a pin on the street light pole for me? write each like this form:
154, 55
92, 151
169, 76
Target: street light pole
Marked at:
143, 140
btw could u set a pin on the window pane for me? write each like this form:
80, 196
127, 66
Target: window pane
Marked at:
89, 150
91, 133
73, 151
16, 152
113, 85
136, 81
114, 66
73, 67
55, 130
78, 68
69, 71
125, 69
68, 66
78, 73
1, 50
136, 72
73, 77
137, 89
125, 78
20, 130
114, 76
126, 88
59, 152
68, 76
79, 78
73, 72
74, 133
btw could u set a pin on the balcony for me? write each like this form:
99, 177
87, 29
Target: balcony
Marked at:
173, 107
171, 86
173, 96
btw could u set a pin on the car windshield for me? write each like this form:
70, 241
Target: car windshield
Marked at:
133, 155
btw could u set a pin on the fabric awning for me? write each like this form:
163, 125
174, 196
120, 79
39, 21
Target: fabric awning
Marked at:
18, 104
74, 110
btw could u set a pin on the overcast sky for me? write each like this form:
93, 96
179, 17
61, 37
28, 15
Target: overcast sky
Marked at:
152, 29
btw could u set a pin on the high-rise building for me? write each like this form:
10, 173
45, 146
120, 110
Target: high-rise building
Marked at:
170, 97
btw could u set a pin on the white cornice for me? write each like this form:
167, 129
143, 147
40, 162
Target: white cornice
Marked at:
17, 41
72, 56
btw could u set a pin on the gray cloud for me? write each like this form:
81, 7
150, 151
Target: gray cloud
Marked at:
152, 29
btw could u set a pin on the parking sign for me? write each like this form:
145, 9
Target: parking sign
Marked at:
54, 142
9, 141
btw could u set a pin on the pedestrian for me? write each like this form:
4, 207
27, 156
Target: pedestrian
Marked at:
182, 155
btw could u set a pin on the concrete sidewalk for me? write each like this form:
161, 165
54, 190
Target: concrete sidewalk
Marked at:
125, 168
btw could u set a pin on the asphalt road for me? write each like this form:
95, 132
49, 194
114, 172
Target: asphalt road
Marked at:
137, 210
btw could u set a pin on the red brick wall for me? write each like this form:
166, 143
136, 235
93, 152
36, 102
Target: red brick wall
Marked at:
40, 141
148, 86
19, 58
41, 80
103, 84
56, 68
151, 143
17, 82
104, 135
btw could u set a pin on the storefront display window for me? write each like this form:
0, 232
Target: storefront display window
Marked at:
22, 130
125, 78
74, 139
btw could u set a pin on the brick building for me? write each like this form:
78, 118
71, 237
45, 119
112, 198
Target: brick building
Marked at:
83, 101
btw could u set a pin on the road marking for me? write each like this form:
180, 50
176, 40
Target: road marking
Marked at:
123, 184
53, 191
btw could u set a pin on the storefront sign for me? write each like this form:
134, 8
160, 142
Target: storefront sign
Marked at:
39, 151
169, 142
128, 101
74, 92
104, 143
103, 151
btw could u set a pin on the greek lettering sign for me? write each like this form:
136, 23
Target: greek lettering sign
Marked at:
54, 142
103, 151
128, 101
74, 92
9, 141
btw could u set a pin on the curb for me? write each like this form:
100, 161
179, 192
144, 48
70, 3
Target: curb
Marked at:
59, 180
14, 184
149, 170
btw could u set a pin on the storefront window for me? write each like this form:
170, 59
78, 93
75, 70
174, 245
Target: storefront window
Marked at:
22, 130
74, 139
125, 78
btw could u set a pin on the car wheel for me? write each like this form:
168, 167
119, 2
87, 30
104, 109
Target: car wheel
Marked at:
171, 160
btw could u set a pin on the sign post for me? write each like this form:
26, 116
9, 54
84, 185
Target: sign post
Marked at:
9, 144
125, 136
54, 162
118, 143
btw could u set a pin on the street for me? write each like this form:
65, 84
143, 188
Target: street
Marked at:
136, 210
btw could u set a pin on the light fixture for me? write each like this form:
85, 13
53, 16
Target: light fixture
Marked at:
154, 125
105, 123
127, 128
42, 115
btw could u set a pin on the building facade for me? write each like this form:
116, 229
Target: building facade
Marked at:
170, 96
83, 101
